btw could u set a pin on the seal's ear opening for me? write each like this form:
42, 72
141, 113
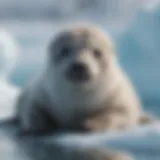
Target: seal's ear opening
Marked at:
50, 45
50, 49
53, 43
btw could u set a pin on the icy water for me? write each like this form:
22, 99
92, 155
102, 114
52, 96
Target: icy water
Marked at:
138, 48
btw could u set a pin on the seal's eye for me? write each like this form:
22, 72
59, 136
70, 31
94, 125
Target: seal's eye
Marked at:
97, 53
65, 51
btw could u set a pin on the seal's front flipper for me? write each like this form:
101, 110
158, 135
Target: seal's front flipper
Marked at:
147, 118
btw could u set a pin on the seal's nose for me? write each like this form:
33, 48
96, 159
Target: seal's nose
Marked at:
78, 72
79, 68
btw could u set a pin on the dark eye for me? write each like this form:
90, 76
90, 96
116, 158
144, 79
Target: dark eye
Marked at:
97, 53
65, 51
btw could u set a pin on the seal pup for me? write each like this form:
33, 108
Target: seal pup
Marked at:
83, 87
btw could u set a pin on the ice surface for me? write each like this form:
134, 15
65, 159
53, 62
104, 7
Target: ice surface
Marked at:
9, 52
138, 47
143, 138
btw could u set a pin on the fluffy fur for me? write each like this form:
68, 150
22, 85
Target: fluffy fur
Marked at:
107, 101
99, 97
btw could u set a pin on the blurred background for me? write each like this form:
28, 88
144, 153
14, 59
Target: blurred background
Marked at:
133, 24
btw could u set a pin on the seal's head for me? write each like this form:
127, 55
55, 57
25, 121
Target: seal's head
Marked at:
81, 54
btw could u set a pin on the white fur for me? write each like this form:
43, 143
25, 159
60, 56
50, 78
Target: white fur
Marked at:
69, 98
65, 99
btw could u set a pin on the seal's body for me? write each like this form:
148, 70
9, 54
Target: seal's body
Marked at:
82, 87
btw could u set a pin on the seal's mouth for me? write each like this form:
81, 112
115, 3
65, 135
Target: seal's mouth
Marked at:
78, 73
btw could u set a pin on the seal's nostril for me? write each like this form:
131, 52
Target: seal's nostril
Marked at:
79, 67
